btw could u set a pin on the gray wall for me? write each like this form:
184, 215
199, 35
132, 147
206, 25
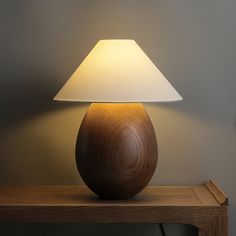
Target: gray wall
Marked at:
193, 44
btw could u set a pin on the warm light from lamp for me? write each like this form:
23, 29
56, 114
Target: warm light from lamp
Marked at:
117, 71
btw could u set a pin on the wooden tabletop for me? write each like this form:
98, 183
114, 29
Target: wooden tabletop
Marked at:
79, 204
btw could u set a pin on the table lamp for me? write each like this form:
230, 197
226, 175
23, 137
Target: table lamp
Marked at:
116, 149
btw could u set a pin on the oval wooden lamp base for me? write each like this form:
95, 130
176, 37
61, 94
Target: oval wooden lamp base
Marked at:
116, 150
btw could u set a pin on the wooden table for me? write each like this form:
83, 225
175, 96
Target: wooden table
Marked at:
202, 206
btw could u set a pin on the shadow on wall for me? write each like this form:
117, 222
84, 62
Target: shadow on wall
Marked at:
25, 96
37, 134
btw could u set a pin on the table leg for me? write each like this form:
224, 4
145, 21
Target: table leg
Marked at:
216, 226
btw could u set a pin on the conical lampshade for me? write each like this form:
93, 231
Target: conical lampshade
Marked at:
117, 71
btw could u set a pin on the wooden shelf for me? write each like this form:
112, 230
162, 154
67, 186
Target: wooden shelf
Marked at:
203, 206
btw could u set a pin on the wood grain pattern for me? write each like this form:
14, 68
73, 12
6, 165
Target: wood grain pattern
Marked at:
193, 205
116, 151
219, 195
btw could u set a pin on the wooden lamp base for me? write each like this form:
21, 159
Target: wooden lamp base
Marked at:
116, 150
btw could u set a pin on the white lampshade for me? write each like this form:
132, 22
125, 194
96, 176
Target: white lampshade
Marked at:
117, 71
